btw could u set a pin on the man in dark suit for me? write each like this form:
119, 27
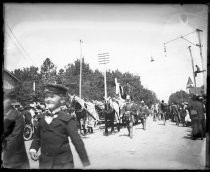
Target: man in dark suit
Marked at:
53, 130
14, 152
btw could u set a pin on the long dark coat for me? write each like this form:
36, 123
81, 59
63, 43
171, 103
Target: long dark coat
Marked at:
198, 120
53, 140
14, 152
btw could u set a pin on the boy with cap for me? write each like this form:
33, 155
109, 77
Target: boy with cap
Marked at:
14, 152
53, 130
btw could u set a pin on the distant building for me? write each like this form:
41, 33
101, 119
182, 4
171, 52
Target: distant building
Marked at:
191, 88
199, 90
10, 81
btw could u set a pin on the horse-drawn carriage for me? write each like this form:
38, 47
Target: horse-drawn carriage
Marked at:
85, 112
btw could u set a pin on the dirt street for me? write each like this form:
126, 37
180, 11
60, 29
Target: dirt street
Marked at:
157, 147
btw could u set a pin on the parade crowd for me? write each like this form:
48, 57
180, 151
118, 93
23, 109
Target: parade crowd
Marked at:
54, 120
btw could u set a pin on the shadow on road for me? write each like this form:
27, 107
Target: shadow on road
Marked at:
161, 124
123, 135
110, 133
173, 124
84, 136
139, 128
188, 136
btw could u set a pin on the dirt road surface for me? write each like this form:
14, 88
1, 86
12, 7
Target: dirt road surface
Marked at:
157, 147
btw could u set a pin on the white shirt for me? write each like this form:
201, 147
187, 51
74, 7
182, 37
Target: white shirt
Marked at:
49, 119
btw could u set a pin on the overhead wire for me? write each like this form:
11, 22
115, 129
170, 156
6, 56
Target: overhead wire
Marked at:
23, 49
19, 49
179, 38
188, 41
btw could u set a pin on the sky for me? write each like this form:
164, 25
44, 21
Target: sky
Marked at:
130, 33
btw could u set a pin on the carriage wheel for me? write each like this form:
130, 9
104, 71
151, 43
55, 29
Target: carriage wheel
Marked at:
28, 132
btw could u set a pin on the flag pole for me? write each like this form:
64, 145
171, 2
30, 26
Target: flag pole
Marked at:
80, 78
193, 70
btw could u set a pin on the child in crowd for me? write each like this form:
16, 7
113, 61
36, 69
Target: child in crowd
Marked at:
53, 130
14, 154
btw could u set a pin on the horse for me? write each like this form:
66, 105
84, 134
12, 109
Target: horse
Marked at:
111, 112
78, 108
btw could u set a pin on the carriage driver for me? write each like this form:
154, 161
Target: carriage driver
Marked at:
53, 130
128, 115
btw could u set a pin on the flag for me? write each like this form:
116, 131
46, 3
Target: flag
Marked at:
189, 83
117, 86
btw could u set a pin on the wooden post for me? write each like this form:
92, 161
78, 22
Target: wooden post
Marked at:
34, 88
193, 70
202, 62
80, 78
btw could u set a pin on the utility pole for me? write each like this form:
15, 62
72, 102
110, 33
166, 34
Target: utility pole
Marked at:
193, 69
80, 77
181, 96
103, 58
34, 88
202, 62
198, 45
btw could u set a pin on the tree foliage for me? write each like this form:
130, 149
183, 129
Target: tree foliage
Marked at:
178, 97
92, 82
48, 71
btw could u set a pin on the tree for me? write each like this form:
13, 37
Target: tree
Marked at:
60, 77
178, 97
24, 90
48, 71
92, 82
27, 74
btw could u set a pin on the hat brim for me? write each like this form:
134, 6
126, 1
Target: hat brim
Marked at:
55, 89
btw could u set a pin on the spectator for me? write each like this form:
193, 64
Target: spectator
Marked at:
14, 152
197, 116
